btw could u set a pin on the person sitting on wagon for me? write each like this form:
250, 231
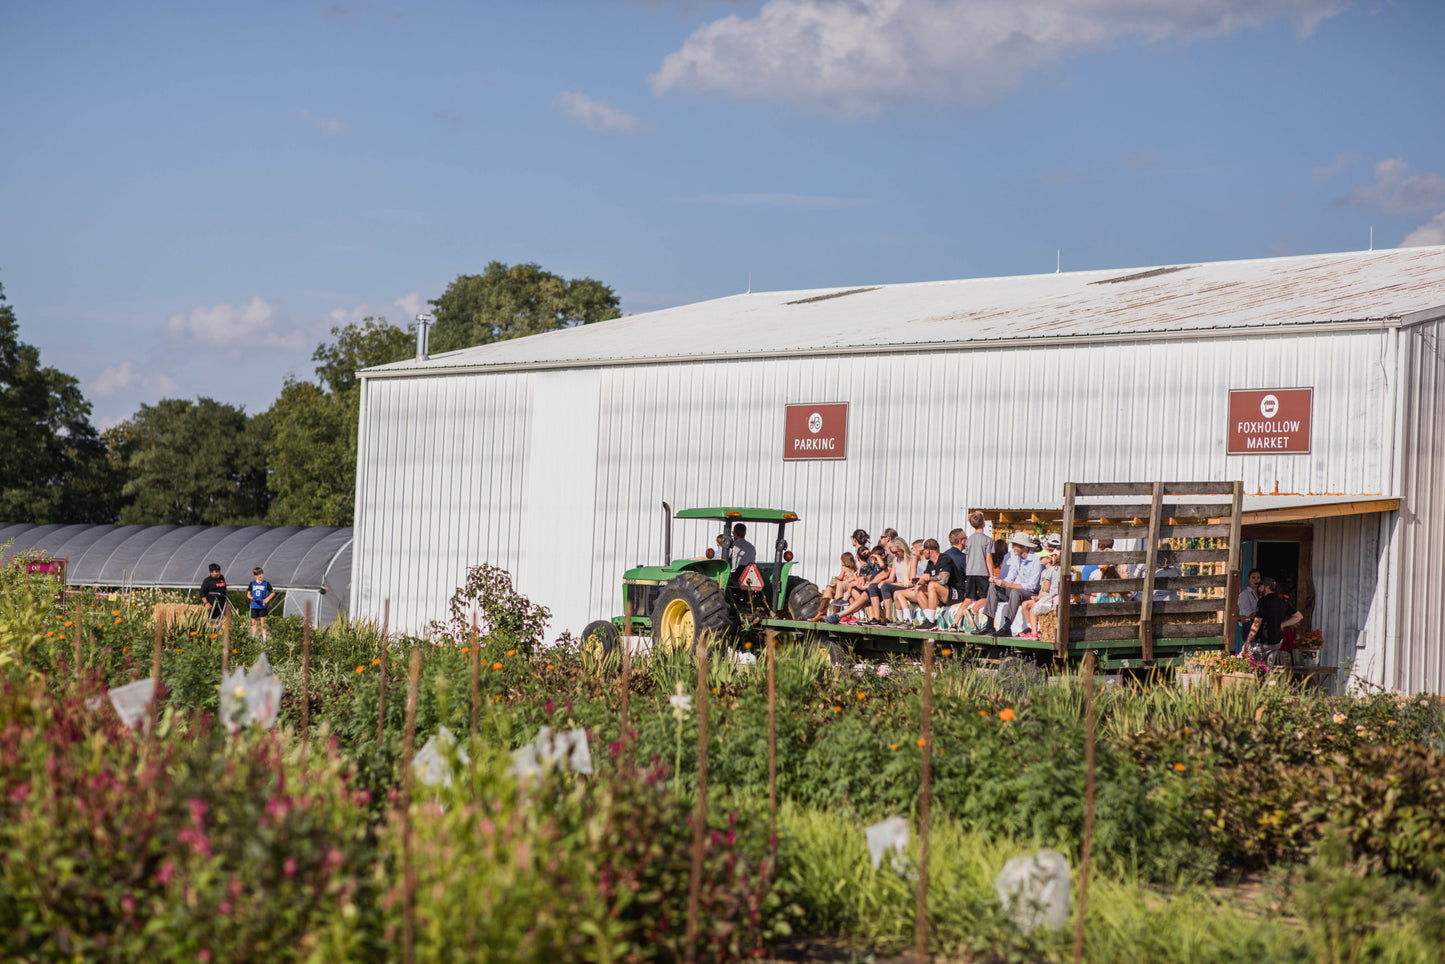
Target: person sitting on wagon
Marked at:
1017, 580
936, 583
1048, 598
871, 575
839, 587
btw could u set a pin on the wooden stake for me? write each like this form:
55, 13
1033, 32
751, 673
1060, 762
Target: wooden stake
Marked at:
408, 868
699, 820
770, 638
622, 723
225, 641
925, 804
306, 678
1088, 844
78, 621
476, 676
381, 691
156, 673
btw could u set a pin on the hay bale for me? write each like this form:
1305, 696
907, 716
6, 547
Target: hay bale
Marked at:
170, 614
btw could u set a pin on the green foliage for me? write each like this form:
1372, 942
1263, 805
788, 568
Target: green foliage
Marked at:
501, 612
375, 341
311, 455
193, 463
510, 301
54, 467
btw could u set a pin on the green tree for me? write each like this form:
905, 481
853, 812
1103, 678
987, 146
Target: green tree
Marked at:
53, 467
311, 448
512, 301
193, 463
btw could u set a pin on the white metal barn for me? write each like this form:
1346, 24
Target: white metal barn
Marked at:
551, 455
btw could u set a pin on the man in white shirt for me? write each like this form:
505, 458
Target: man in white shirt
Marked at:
1248, 604
742, 553
1017, 580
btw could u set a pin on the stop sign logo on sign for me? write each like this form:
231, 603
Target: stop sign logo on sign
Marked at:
813, 432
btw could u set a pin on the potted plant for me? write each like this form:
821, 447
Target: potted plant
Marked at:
1307, 652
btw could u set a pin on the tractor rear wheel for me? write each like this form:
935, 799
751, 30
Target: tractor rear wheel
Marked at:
690, 606
600, 638
803, 598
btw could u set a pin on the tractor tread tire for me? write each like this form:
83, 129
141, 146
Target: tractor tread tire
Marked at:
803, 599
711, 613
607, 635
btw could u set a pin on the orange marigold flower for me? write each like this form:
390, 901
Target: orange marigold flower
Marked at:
715, 689
511, 652
466, 649
361, 669
115, 612
1179, 767
1006, 714
1187, 731
748, 644
194, 632
862, 695
893, 746
946, 652
983, 712
496, 667
922, 741
231, 650
213, 636
117, 619
51, 633
551, 666
125, 649
376, 662
837, 709
69, 622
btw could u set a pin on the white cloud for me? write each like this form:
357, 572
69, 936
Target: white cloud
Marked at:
324, 125
596, 115
1431, 232
401, 312
253, 324
1335, 168
854, 57
411, 303
813, 201
124, 376
1396, 191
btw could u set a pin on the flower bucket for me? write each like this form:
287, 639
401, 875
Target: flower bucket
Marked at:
1307, 657
1191, 679
1238, 681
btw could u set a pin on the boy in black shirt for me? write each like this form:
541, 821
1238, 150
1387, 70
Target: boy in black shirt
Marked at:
1272, 616
213, 593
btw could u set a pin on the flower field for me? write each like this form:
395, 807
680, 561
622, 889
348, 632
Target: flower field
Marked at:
187, 842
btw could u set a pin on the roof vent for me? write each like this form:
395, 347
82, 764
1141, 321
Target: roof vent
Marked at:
835, 294
1140, 276
423, 335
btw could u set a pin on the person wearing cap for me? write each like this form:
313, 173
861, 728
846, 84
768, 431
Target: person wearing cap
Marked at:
1017, 580
213, 592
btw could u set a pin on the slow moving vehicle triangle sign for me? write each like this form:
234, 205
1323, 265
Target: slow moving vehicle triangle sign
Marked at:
751, 578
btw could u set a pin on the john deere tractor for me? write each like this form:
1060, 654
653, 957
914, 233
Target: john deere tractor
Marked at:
683, 599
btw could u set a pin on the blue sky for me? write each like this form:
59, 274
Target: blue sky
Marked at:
191, 194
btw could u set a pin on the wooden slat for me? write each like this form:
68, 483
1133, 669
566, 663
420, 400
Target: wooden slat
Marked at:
1083, 634
1147, 488
1163, 582
1066, 550
1151, 563
1104, 557
1208, 530
1162, 607
1232, 591
1172, 510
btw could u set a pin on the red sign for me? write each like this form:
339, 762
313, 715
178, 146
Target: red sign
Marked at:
815, 432
1270, 421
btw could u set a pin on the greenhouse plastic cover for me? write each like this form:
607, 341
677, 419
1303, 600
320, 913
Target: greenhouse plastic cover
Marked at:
304, 558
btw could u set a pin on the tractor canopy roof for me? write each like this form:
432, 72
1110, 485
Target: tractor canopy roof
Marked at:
740, 514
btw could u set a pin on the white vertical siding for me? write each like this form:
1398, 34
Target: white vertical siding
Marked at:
1349, 603
1421, 526
443, 474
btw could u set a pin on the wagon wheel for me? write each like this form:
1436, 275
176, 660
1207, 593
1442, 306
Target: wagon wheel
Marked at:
690, 606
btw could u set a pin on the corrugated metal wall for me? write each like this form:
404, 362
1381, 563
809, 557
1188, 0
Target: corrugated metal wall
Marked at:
1349, 561
440, 465
1422, 523
443, 457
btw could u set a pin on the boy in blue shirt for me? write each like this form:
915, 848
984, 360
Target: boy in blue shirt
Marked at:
261, 595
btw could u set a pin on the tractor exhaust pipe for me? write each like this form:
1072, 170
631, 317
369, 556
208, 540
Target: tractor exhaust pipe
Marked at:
666, 534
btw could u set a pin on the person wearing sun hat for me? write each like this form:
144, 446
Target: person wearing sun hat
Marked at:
1017, 580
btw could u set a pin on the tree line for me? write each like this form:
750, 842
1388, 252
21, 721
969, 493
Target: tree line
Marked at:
207, 462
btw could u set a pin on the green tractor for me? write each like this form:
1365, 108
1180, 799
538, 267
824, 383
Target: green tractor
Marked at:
685, 599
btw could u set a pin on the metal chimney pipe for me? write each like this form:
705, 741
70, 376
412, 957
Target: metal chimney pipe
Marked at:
423, 335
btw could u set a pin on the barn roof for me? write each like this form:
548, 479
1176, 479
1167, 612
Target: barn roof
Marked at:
1182, 300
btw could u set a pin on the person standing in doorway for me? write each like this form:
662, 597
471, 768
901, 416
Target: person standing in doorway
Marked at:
1248, 602
261, 594
1272, 616
213, 593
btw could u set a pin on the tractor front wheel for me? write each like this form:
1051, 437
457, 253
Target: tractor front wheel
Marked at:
690, 606
600, 638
